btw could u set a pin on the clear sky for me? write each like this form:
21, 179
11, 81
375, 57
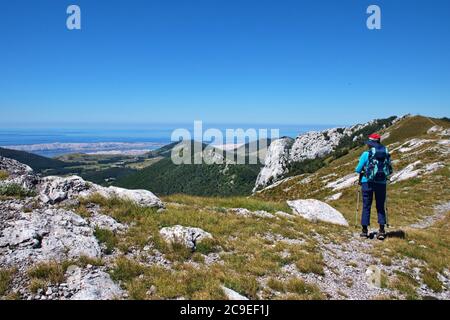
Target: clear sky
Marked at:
242, 61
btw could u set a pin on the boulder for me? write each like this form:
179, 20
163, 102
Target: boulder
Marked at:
98, 220
92, 285
56, 189
188, 236
312, 209
143, 198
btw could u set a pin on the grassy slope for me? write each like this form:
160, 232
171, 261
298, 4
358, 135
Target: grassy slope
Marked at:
247, 255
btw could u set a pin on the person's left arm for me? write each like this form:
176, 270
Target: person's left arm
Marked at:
362, 162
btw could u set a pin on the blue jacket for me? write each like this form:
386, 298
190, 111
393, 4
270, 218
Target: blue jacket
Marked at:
363, 162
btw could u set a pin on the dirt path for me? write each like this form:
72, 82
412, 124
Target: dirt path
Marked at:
439, 213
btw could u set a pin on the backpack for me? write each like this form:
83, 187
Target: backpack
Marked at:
379, 166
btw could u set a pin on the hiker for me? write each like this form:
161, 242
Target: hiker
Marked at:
374, 168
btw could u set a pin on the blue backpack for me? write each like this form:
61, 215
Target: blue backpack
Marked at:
379, 166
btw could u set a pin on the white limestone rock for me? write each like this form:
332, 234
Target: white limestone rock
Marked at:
414, 170
344, 182
334, 197
247, 213
105, 222
143, 198
46, 234
312, 209
56, 189
92, 285
233, 295
188, 236
435, 129
275, 163
18, 173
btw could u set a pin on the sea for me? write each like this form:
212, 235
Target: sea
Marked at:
126, 139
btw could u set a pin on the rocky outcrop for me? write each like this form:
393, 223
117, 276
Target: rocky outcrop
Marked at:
38, 227
56, 189
283, 153
414, 170
43, 235
275, 162
313, 210
188, 236
18, 173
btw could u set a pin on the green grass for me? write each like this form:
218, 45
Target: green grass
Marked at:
44, 274
15, 191
405, 284
295, 289
431, 280
106, 237
228, 202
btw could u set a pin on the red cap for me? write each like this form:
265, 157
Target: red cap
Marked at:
375, 136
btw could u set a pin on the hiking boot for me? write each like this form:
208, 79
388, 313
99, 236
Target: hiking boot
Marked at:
364, 233
381, 234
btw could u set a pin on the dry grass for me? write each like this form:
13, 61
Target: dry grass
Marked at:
3, 175
244, 251
6, 277
47, 273
228, 202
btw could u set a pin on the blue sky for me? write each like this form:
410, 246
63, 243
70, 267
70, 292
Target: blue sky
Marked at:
223, 61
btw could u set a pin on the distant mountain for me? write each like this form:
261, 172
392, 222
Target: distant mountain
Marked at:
165, 178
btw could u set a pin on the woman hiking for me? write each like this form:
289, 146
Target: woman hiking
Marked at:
374, 168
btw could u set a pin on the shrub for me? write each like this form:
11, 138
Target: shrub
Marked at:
15, 190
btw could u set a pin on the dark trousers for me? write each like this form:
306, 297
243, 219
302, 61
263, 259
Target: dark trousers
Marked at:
368, 190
